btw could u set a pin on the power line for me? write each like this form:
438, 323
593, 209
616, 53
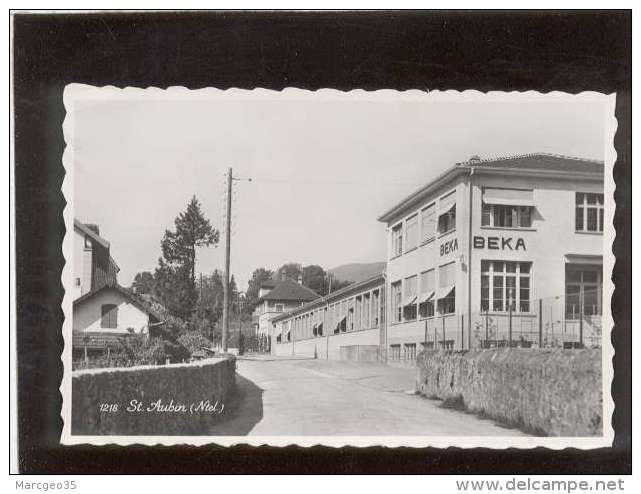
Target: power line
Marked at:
331, 182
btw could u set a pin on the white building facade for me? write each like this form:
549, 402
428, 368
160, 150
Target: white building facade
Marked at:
496, 252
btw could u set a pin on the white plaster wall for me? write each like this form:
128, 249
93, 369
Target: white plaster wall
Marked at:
550, 239
87, 316
78, 251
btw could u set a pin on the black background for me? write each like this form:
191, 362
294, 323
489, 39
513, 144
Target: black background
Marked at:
544, 51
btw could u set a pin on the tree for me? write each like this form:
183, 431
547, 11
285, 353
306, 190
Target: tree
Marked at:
290, 271
314, 277
176, 271
143, 283
259, 276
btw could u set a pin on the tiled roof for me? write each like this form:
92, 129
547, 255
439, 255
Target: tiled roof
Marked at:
288, 290
98, 340
347, 291
539, 161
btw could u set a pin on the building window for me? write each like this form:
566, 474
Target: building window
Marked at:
395, 352
505, 284
397, 240
428, 223
77, 281
375, 308
411, 233
409, 300
366, 310
447, 213
499, 215
279, 307
426, 301
583, 287
409, 351
589, 212
397, 302
447, 288
109, 316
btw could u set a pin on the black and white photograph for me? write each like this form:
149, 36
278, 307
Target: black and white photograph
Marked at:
321, 242
400, 268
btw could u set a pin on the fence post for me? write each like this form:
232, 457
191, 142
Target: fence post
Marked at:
443, 319
510, 327
425, 344
581, 312
435, 339
487, 330
462, 332
540, 323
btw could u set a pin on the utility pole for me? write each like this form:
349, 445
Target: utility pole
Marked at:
227, 255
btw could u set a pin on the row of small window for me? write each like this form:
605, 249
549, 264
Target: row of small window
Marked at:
410, 301
505, 286
588, 217
356, 313
429, 225
407, 351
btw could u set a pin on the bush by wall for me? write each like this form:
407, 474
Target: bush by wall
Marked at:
550, 392
100, 398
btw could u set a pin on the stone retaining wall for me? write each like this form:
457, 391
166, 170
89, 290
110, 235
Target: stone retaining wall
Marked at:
550, 392
191, 397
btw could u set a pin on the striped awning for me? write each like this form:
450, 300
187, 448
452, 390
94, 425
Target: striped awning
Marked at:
508, 197
445, 292
427, 297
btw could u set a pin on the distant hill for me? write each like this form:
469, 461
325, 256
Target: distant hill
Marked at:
357, 271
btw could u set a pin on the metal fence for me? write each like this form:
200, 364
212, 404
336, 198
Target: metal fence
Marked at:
570, 321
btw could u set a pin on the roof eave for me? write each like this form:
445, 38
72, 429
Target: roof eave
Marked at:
443, 178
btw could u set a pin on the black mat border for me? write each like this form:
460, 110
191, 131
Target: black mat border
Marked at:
568, 51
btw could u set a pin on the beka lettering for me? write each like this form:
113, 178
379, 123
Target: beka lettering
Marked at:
498, 243
449, 247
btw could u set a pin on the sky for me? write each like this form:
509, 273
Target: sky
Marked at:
322, 169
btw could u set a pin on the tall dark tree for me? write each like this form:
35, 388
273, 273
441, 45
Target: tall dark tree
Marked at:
143, 283
259, 276
176, 272
314, 277
290, 271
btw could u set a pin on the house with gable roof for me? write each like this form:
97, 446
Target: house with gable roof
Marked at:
103, 311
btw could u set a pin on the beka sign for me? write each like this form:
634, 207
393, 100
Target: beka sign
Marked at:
498, 243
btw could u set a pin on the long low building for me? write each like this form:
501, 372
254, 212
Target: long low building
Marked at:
346, 324
496, 252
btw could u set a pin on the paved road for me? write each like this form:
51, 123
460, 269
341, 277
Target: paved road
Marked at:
316, 397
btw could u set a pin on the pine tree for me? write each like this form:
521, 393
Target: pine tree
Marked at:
176, 271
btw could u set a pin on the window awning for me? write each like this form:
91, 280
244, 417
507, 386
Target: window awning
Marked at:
508, 197
583, 259
445, 292
427, 297
446, 203
409, 300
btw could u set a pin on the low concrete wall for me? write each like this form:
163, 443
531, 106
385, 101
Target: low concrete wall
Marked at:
550, 392
360, 353
327, 347
191, 397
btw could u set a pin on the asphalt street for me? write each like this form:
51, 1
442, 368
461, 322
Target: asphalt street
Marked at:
318, 397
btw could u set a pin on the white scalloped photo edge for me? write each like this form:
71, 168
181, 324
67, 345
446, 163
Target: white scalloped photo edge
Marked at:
78, 92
